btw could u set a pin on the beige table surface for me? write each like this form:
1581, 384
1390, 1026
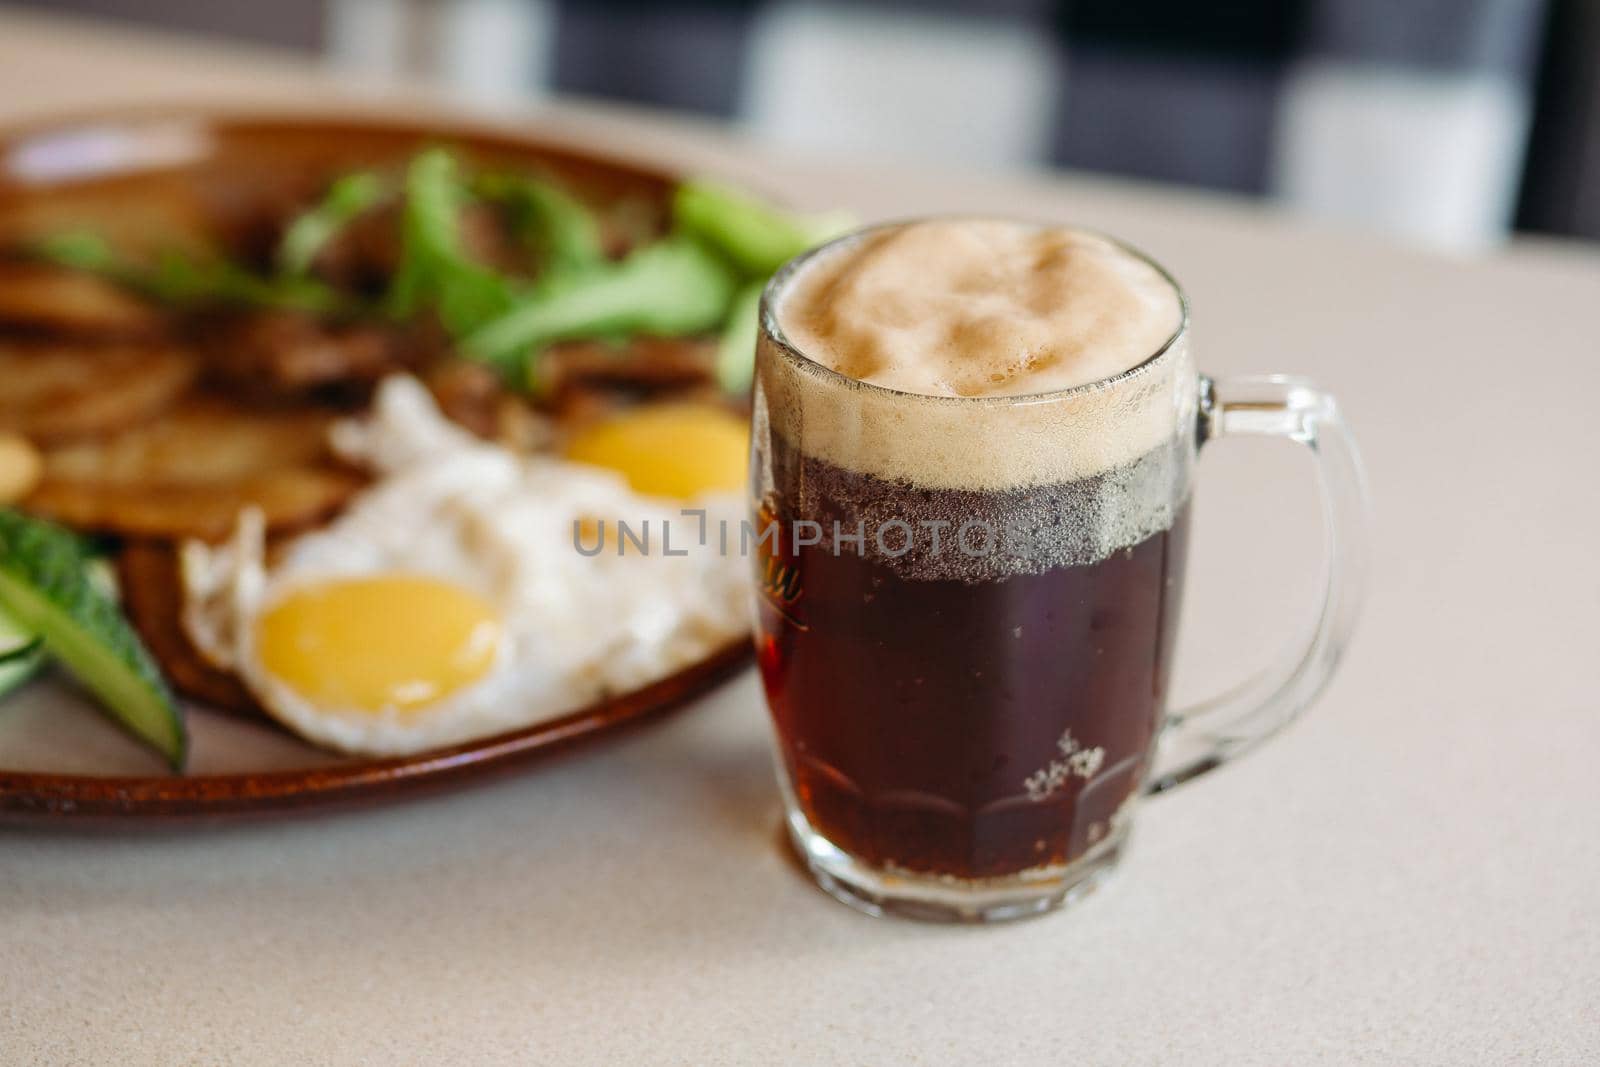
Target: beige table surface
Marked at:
1409, 875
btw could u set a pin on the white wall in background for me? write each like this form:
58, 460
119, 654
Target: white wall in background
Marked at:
1431, 156
369, 36
494, 50
487, 51
900, 84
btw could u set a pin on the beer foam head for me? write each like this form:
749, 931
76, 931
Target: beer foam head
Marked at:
979, 307
976, 353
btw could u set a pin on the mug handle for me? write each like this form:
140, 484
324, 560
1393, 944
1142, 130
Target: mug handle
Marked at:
1207, 735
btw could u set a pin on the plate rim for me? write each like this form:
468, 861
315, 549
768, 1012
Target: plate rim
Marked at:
440, 121
45, 795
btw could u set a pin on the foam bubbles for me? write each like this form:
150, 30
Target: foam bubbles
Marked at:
928, 353
991, 357
978, 307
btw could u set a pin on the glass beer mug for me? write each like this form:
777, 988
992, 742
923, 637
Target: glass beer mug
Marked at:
968, 605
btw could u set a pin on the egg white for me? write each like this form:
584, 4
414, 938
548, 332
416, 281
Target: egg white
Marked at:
447, 505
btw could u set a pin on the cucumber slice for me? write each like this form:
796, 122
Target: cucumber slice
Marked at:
21, 654
45, 587
16, 640
14, 672
25, 650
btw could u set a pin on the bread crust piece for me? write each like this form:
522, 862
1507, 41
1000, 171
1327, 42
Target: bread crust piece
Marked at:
45, 298
60, 390
151, 583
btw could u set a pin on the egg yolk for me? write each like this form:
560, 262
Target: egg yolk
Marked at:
380, 642
673, 450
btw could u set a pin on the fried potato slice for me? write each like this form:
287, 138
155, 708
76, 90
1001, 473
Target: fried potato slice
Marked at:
51, 299
149, 575
193, 471
55, 391
20, 468
142, 213
643, 365
288, 498
288, 355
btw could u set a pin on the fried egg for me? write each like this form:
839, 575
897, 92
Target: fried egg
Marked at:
470, 590
671, 450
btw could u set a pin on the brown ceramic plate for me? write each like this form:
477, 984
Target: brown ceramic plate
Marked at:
145, 177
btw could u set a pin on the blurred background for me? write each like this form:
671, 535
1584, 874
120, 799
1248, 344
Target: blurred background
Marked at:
1449, 122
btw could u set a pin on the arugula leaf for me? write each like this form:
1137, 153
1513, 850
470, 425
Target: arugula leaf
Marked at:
675, 286
707, 274
435, 269
548, 219
736, 348
177, 278
349, 197
755, 235
78, 250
